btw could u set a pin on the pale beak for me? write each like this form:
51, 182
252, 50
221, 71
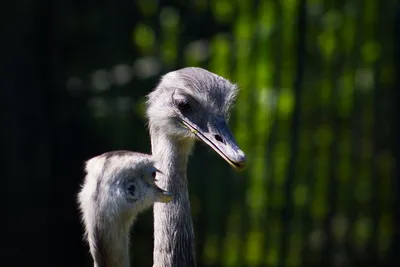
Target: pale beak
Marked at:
163, 196
220, 139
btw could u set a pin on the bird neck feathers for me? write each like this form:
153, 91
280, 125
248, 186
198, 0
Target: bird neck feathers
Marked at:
109, 246
173, 226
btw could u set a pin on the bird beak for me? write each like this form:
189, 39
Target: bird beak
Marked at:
221, 140
163, 196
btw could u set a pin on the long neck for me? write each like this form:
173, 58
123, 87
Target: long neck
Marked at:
109, 246
173, 226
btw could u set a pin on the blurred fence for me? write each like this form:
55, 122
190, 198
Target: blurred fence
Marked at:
315, 116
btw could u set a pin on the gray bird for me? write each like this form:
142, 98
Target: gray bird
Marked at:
118, 185
187, 104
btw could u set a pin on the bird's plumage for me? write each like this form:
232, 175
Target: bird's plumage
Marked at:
118, 185
187, 104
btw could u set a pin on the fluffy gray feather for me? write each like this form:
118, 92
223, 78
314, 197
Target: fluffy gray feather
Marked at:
118, 185
202, 100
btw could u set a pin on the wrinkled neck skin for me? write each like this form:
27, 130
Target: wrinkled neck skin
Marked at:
173, 226
109, 246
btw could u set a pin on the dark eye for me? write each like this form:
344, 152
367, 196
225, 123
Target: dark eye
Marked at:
131, 189
183, 105
153, 174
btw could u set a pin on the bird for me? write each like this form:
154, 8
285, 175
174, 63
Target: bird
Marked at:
188, 104
118, 185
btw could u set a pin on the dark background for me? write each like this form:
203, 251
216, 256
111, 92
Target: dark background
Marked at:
316, 117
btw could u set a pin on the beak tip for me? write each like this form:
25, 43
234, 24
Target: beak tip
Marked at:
240, 162
165, 197
240, 165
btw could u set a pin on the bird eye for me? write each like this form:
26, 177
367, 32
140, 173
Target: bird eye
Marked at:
153, 174
183, 105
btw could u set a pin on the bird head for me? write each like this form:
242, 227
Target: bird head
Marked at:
193, 103
119, 185
138, 189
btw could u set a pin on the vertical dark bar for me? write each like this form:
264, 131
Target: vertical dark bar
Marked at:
300, 52
355, 128
26, 147
328, 249
376, 140
48, 102
65, 118
272, 213
396, 207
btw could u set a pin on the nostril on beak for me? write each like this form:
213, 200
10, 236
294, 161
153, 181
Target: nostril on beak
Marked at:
219, 138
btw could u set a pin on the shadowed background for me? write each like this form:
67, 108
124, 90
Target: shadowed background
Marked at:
315, 116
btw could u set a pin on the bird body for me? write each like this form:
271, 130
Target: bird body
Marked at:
117, 187
187, 104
